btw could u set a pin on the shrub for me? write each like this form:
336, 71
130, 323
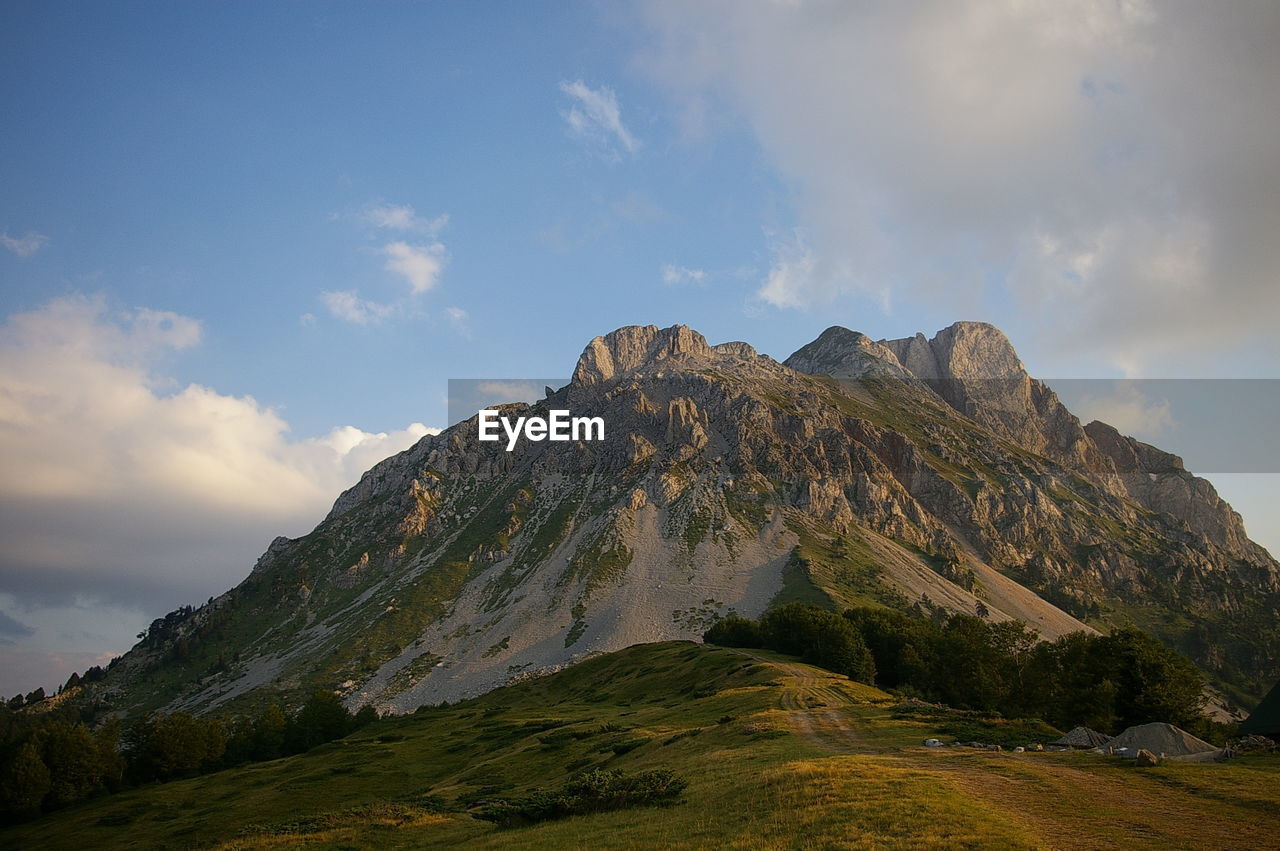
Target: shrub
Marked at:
591, 792
627, 745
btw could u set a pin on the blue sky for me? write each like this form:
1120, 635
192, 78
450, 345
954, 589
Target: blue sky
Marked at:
218, 161
256, 239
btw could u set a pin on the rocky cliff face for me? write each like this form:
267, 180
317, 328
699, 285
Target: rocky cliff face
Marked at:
933, 474
974, 369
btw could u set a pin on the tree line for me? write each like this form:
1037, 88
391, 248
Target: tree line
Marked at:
31, 698
48, 762
1107, 682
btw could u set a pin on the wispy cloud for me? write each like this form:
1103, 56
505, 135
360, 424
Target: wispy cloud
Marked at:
347, 305
25, 245
458, 319
417, 257
672, 274
402, 217
595, 117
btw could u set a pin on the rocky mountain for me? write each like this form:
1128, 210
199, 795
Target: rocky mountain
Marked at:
932, 474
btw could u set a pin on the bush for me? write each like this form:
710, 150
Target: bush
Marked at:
600, 791
591, 792
627, 745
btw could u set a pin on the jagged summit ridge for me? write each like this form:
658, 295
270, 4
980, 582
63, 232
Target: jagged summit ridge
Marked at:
974, 368
961, 351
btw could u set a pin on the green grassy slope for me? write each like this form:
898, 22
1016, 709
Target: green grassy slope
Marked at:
776, 753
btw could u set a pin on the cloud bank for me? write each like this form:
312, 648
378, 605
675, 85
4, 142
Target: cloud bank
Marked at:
118, 485
1108, 169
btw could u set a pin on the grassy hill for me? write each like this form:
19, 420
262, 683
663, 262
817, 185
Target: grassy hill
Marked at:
776, 754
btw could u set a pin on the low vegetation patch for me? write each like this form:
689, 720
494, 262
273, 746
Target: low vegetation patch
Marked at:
394, 813
592, 792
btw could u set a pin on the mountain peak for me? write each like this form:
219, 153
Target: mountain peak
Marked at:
960, 351
975, 350
963, 350
842, 353
632, 346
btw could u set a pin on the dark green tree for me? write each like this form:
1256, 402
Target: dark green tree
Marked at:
164, 747
734, 631
322, 719
74, 760
819, 636
24, 783
269, 733
1153, 683
900, 645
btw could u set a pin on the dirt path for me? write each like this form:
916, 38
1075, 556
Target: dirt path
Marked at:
813, 702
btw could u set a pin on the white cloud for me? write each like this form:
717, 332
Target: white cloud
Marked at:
673, 274
596, 117
1109, 165
791, 275
25, 245
1128, 410
402, 217
112, 489
348, 306
358, 450
420, 265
